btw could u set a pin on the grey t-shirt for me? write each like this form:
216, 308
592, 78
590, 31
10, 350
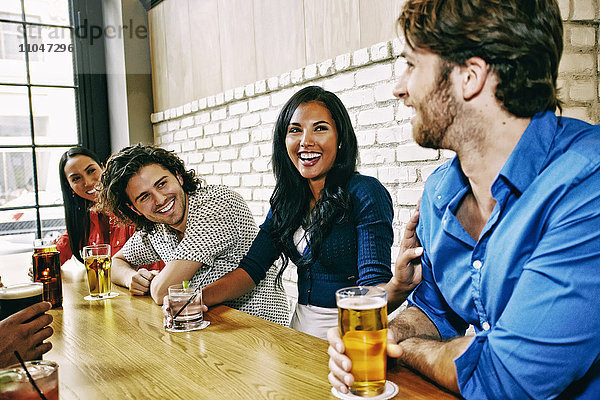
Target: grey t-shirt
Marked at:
219, 231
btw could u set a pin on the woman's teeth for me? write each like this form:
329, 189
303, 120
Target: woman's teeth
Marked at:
309, 156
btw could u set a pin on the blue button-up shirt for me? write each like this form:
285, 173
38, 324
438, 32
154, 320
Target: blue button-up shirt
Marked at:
530, 284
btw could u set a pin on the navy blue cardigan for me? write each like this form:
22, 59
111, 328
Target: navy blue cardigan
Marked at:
357, 252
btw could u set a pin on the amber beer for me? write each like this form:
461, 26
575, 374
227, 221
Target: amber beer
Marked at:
97, 265
362, 316
18, 297
46, 269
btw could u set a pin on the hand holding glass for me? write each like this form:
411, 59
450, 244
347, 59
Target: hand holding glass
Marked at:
362, 316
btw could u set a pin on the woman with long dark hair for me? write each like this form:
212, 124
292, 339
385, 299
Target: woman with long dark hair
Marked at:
80, 170
332, 222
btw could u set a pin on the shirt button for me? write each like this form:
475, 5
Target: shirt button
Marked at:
485, 326
476, 264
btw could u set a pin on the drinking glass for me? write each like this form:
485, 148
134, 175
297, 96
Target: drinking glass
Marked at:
97, 265
15, 298
362, 317
185, 305
14, 383
46, 269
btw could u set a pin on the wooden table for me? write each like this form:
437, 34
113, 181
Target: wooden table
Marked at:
118, 349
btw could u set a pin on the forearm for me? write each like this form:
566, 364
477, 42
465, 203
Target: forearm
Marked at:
175, 271
395, 297
413, 322
232, 285
121, 271
435, 359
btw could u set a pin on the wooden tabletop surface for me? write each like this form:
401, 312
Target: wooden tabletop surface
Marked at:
118, 349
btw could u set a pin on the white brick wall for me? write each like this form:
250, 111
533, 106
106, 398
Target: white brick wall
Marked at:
227, 138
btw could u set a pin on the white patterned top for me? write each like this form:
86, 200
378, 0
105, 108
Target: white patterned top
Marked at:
219, 231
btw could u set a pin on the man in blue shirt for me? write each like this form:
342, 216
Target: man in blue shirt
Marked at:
511, 226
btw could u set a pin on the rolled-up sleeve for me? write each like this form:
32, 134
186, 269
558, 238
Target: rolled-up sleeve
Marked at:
428, 299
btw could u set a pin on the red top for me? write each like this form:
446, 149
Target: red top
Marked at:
117, 234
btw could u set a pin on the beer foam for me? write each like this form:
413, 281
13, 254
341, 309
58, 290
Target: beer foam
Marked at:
21, 291
361, 303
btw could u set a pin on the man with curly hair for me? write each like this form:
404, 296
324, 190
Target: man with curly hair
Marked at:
200, 232
511, 226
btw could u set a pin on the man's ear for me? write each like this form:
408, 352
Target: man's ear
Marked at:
180, 179
133, 209
474, 76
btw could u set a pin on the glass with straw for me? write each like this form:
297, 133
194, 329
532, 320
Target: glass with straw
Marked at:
32, 380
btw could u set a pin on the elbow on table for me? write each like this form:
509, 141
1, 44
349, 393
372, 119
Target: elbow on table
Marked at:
158, 292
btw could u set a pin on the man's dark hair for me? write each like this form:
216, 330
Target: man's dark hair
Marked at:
121, 167
521, 40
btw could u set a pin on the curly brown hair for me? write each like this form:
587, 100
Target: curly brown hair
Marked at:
121, 167
521, 40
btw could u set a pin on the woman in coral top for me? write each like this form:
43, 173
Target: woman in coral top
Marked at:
80, 170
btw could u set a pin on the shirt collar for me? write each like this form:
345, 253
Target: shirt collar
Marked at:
452, 182
529, 156
523, 165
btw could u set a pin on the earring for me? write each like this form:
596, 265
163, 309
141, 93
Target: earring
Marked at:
340, 146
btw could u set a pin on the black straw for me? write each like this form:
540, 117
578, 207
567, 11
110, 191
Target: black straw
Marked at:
35, 386
187, 303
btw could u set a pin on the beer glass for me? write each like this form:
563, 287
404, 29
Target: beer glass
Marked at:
362, 317
46, 269
97, 265
191, 316
16, 385
18, 297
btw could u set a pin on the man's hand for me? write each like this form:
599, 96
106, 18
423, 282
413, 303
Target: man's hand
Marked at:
25, 332
407, 271
140, 282
339, 364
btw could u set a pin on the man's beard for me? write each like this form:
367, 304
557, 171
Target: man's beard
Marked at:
436, 113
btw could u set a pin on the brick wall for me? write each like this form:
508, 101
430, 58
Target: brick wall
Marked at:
227, 138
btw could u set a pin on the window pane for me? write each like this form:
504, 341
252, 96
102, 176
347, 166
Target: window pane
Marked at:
11, 10
47, 173
12, 55
16, 178
14, 116
54, 112
52, 62
52, 12
17, 230
53, 221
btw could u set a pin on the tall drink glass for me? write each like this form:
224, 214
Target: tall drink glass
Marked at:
97, 265
16, 385
46, 269
362, 316
17, 297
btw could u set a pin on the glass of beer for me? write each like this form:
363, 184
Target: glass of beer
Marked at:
46, 269
191, 316
97, 265
14, 383
18, 297
362, 317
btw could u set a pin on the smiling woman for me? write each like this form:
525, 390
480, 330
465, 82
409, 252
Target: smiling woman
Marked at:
333, 223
